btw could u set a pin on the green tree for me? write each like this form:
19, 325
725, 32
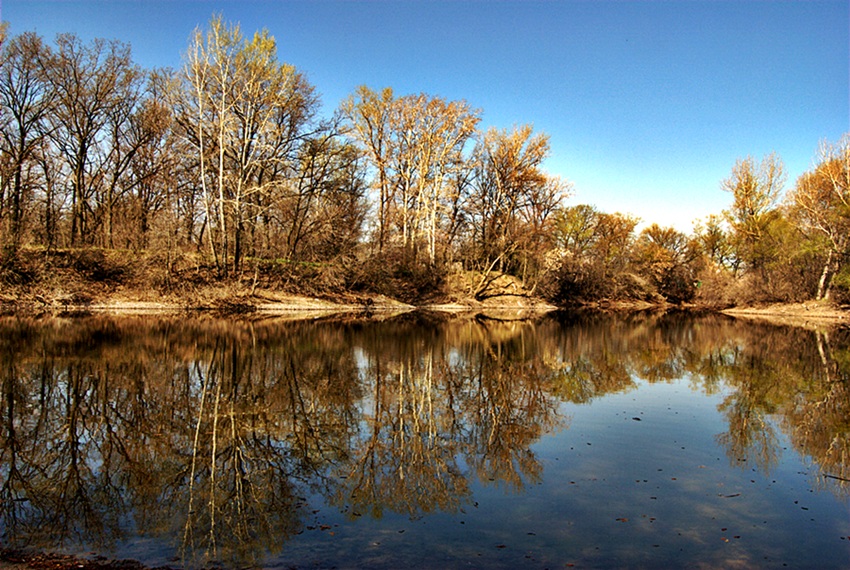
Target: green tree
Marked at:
714, 242
592, 255
755, 188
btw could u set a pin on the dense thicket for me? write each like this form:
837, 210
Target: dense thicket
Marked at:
227, 165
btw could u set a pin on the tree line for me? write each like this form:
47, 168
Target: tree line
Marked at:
228, 162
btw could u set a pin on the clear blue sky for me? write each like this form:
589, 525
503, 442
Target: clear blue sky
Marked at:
648, 103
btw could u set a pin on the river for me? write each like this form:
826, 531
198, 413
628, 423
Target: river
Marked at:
572, 440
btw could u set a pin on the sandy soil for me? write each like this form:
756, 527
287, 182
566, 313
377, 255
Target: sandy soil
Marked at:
809, 315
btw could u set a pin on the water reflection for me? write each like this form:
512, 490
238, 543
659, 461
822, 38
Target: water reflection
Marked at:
213, 434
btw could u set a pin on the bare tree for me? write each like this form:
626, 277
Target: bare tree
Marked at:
511, 200
26, 99
820, 203
247, 114
368, 113
93, 82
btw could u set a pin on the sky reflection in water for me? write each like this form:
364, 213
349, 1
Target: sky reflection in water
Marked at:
591, 441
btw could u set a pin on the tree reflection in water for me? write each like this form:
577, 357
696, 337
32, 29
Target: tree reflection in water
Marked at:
213, 432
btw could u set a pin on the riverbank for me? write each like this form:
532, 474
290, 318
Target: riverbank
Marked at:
115, 282
75, 282
234, 299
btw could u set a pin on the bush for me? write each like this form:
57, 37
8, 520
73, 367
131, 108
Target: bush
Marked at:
393, 274
574, 281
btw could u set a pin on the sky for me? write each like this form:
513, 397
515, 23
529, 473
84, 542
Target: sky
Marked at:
648, 103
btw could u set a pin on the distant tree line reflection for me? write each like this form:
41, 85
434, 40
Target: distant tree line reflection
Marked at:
213, 432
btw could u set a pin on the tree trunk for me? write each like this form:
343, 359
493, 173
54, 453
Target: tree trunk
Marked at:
823, 283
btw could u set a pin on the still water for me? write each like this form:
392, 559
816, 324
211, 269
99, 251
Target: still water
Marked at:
584, 441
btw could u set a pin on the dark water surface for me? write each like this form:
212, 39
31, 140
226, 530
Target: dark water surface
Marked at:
584, 441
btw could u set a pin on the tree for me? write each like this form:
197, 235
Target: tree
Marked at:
820, 204
415, 144
575, 229
368, 113
151, 159
94, 84
666, 257
511, 200
755, 189
324, 204
446, 129
26, 99
614, 240
245, 113
592, 254
714, 242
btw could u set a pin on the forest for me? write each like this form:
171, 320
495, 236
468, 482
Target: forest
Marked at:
224, 172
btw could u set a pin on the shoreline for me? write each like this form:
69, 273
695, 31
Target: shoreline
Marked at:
267, 303
810, 314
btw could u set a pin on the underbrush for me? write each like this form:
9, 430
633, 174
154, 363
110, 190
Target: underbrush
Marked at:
398, 278
79, 277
